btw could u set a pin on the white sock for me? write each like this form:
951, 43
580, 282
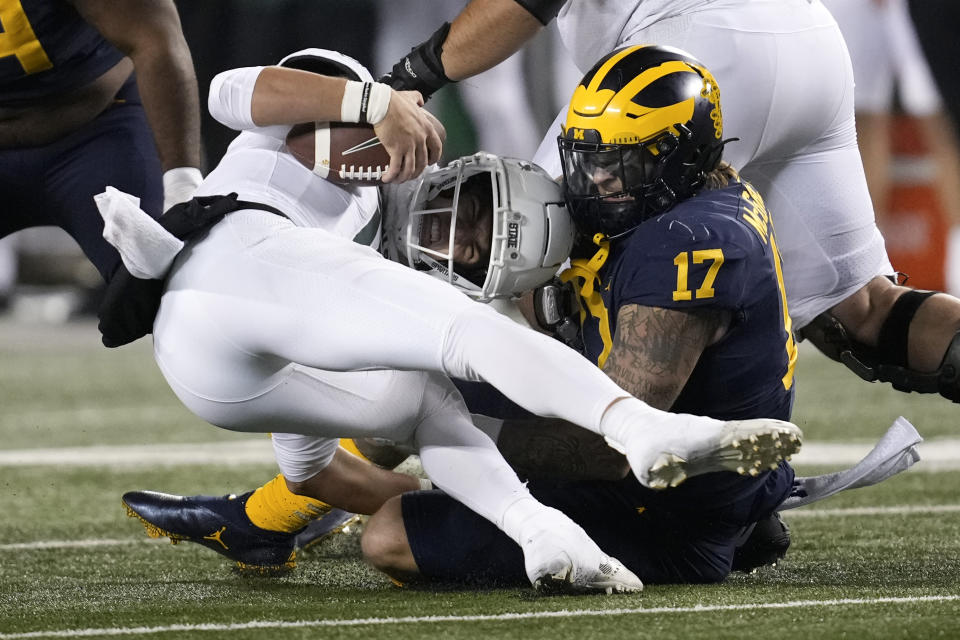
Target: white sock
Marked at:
518, 514
631, 418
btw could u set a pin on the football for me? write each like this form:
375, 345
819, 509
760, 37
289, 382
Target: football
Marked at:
341, 152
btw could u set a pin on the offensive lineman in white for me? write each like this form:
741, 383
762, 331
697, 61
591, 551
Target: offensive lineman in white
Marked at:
788, 98
273, 324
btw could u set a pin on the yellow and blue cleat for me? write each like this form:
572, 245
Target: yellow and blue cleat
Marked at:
330, 523
218, 523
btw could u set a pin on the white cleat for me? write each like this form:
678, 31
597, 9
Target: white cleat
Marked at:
560, 557
747, 447
609, 577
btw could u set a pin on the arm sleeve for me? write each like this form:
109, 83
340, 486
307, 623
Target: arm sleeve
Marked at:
231, 93
542, 10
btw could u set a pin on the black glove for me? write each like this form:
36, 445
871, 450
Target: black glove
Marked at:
421, 69
557, 307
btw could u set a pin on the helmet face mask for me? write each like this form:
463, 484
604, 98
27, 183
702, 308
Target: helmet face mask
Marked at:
436, 207
492, 227
612, 188
643, 129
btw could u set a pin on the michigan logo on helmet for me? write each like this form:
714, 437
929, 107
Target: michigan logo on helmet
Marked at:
643, 129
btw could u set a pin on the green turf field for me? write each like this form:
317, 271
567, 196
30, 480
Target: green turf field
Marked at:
881, 562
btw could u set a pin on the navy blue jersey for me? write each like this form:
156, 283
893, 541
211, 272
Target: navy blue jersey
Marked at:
47, 48
716, 250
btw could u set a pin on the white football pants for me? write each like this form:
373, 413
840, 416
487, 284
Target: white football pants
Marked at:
270, 327
786, 89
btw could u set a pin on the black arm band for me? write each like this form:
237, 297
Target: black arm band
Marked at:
542, 10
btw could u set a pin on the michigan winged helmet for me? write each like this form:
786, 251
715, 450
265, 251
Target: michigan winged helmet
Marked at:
643, 129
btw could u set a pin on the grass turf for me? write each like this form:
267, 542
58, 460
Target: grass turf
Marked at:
99, 571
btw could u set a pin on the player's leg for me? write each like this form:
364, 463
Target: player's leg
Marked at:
258, 286
261, 530
687, 535
423, 408
115, 149
865, 28
465, 463
806, 163
258, 529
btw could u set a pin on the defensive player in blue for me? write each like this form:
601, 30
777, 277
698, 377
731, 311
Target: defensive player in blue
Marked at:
94, 93
682, 304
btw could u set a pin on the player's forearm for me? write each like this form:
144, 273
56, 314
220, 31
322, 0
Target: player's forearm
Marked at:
149, 32
484, 34
553, 449
168, 88
290, 96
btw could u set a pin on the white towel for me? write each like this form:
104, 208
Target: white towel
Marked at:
146, 248
895, 452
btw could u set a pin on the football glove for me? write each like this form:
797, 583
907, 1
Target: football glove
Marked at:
421, 69
557, 307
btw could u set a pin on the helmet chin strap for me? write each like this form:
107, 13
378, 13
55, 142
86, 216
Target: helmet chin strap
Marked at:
584, 274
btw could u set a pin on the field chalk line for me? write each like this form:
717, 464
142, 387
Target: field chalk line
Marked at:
941, 454
283, 624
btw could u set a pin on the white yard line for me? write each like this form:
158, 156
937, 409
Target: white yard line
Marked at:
79, 544
533, 615
936, 455
902, 510
939, 452
804, 512
237, 452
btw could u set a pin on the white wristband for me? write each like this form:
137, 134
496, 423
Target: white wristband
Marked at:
179, 185
365, 102
425, 484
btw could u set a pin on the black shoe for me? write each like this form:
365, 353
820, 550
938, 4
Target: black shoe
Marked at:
218, 523
767, 545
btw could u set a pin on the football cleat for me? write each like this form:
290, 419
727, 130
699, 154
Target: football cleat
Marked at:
609, 577
747, 447
329, 524
218, 523
559, 557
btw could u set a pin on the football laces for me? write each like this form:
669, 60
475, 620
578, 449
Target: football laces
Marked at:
354, 172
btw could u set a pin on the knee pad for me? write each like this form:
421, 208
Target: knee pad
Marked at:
887, 362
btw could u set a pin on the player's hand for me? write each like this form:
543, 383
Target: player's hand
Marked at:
411, 135
556, 307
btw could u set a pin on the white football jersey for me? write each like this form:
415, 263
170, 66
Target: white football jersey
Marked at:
258, 168
593, 28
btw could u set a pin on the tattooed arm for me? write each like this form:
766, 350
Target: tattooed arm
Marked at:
654, 352
552, 449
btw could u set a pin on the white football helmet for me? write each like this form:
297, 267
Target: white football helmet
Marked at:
532, 232
328, 63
